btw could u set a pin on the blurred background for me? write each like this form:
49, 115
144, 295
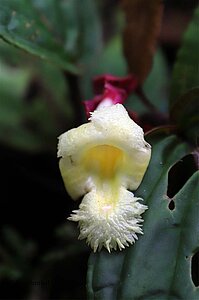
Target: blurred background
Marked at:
40, 256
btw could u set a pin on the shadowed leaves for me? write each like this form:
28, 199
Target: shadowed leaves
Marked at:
186, 68
66, 33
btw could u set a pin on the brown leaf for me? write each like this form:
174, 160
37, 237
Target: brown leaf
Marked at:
143, 20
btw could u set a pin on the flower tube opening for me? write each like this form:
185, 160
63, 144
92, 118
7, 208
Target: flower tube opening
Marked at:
103, 161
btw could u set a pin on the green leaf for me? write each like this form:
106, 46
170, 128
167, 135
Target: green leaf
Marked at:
184, 108
34, 105
63, 32
158, 265
110, 61
186, 69
185, 114
21, 26
77, 25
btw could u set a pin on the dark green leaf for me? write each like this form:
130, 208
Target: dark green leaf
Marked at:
185, 113
63, 32
158, 266
186, 69
21, 27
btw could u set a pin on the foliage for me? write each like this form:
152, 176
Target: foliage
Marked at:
52, 30
31, 111
184, 106
49, 52
186, 72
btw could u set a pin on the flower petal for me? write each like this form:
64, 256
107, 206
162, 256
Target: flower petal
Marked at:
101, 160
109, 126
117, 228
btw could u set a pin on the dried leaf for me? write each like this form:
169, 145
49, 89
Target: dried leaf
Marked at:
143, 20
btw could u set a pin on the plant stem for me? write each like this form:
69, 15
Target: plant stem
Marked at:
145, 100
75, 95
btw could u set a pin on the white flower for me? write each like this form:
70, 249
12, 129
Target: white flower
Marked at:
102, 160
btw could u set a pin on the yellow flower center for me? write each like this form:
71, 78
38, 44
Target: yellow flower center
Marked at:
103, 161
104, 164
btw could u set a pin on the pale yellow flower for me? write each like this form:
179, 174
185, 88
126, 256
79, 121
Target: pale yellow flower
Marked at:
102, 160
